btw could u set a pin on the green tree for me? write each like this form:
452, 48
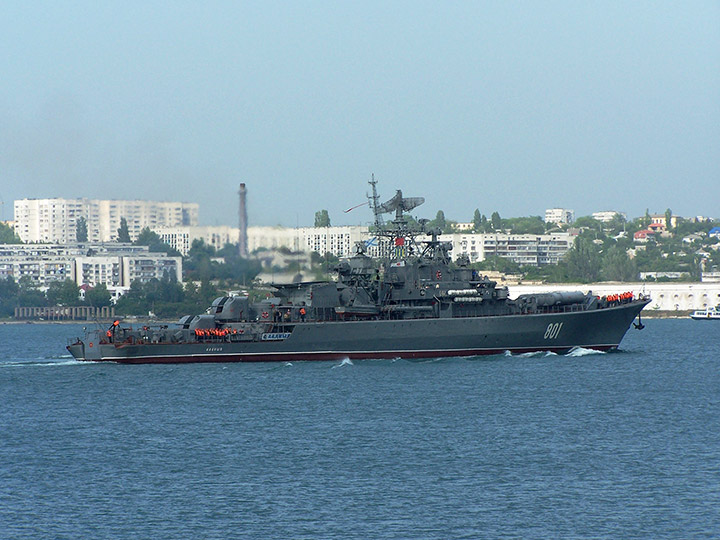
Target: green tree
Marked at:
496, 221
147, 237
589, 223
617, 266
499, 264
616, 224
582, 261
198, 264
28, 294
646, 220
685, 227
63, 293
439, 220
235, 269
525, 225
9, 291
81, 230
132, 302
98, 296
123, 232
154, 242
668, 219
8, 236
322, 218
477, 220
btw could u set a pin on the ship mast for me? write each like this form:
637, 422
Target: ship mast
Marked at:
374, 201
398, 233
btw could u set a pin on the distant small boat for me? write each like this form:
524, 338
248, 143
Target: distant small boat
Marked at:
707, 314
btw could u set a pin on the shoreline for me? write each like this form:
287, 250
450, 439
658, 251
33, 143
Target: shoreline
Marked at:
659, 314
646, 314
94, 321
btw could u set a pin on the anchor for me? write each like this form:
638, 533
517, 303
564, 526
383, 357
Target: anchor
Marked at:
639, 325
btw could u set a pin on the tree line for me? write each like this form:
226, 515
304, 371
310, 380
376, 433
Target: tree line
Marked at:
24, 292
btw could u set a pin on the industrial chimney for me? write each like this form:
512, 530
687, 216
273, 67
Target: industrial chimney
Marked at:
242, 243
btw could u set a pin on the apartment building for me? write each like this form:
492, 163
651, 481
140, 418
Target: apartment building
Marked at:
340, 241
182, 238
524, 249
559, 215
115, 265
606, 216
55, 220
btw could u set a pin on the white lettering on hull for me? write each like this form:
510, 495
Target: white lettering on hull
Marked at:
275, 336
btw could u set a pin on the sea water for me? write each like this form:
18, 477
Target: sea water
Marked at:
584, 445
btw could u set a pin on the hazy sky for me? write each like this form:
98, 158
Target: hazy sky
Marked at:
508, 106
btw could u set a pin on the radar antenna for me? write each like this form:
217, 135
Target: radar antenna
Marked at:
400, 204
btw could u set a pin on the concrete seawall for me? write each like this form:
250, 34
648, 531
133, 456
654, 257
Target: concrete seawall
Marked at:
56, 313
665, 296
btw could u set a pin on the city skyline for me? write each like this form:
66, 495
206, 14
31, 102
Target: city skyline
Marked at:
453, 219
500, 107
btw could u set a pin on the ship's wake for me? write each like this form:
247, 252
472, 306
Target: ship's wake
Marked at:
42, 363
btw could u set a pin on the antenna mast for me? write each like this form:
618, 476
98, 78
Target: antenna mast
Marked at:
374, 203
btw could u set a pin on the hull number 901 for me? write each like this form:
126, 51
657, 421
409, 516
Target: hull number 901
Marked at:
553, 330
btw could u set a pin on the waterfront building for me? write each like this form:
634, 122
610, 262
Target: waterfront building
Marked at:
559, 215
55, 220
114, 265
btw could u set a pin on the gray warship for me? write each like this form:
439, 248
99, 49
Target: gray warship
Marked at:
413, 303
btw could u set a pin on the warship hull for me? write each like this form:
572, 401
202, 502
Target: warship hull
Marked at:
600, 329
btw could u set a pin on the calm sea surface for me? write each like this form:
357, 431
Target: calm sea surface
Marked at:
588, 445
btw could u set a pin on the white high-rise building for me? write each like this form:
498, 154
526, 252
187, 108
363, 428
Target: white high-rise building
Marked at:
559, 215
607, 216
524, 249
182, 238
340, 241
55, 220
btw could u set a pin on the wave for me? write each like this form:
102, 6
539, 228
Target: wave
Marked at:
580, 351
533, 354
574, 352
344, 362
